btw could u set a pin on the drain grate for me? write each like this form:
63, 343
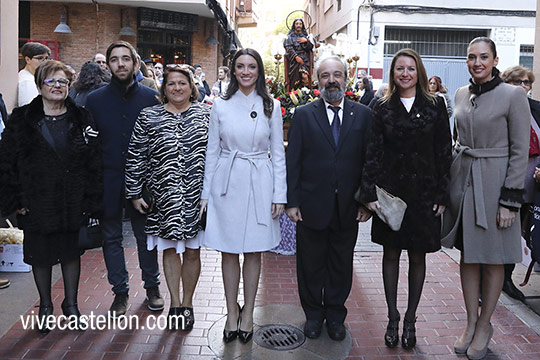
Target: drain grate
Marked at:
279, 337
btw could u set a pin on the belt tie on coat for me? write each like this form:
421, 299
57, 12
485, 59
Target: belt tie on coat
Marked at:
476, 175
254, 178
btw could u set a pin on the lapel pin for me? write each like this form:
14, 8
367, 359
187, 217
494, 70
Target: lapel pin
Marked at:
351, 113
417, 115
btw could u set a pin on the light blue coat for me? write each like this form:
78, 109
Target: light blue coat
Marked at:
244, 174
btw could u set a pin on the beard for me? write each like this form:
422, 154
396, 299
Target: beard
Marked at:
126, 79
332, 92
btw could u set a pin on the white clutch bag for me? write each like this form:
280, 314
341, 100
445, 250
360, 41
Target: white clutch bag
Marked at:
392, 208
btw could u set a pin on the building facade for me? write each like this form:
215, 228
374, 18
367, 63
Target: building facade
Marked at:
437, 29
172, 32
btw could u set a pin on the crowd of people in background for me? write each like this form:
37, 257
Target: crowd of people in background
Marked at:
196, 165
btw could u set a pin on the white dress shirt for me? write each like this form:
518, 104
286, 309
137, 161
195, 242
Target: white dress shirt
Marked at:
330, 112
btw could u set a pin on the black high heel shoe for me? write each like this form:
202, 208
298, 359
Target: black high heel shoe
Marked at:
71, 311
44, 312
391, 337
408, 339
230, 335
244, 336
174, 322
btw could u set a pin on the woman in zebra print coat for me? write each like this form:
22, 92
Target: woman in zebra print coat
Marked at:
166, 155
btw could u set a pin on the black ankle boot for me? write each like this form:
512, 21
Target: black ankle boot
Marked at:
43, 314
391, 337
408, 339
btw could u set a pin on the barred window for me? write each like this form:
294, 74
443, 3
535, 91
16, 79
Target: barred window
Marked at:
433, 42
526, 56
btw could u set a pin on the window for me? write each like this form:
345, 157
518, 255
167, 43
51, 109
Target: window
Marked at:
447, 43
526, 56
338, 5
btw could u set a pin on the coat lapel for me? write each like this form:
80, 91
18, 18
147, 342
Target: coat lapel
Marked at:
346, 122
322, 119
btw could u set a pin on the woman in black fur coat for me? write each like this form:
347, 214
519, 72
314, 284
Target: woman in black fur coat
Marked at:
50, 175
408, 155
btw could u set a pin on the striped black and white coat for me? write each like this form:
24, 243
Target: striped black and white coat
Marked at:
167, 154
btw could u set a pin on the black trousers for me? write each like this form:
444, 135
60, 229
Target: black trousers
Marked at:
324, 263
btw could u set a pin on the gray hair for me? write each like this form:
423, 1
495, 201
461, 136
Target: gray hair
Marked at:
333, 57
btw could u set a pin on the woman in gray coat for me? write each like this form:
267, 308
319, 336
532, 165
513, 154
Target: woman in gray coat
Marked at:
486, 189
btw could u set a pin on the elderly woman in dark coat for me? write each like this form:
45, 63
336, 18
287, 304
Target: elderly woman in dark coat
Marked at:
50, 174
409, 155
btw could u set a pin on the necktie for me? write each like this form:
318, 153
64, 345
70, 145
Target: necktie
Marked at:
336, 124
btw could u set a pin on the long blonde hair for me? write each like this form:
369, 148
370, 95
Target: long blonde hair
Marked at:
422, 83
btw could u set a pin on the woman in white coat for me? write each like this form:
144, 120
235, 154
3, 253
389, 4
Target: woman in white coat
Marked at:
244, 190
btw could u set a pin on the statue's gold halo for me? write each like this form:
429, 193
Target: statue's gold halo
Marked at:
298, 14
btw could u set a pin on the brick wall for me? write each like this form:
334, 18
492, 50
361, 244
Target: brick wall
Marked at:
94, 28
206, 55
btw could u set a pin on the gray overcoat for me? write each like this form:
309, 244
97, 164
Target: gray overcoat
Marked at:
244, 174
488, 170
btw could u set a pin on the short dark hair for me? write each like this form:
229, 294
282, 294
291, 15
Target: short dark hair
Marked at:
50, 67
31, 49
197, 66
184, 70
225, 70
121, 43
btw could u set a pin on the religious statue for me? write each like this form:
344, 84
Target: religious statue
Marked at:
298, 56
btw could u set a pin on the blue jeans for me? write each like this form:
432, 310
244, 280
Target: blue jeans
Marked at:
113, 252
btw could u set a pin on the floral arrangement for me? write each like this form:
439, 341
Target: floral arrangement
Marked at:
290, 100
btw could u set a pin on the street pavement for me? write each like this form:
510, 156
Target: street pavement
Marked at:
441, 314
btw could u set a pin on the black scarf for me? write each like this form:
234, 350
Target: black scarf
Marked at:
479, 89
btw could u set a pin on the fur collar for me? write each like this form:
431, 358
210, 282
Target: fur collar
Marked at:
33, 112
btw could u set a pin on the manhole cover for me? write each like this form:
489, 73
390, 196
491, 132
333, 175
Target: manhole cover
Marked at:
279, 337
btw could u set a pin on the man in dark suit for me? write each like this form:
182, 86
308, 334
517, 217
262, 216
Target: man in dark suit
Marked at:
115, 109
325, 157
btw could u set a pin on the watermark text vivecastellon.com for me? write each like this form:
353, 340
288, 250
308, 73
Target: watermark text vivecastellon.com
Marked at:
101, 322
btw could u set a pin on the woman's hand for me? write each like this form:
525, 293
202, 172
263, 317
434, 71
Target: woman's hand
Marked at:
363, 214
439, 209
505, 217
374, 205
140, 205
202, 204
22, 211
277, 210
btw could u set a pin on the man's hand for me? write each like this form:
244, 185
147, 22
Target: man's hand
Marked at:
302, 40
294, 214
299, 60
363, 214
140, 205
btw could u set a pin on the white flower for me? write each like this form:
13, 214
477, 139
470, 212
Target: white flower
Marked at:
291, 110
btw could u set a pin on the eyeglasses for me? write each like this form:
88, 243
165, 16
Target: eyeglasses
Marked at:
520, 82
40, 58
53, 82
